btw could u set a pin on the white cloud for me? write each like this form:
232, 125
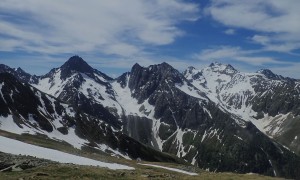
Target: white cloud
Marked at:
229, 53
256, 60
218, 53
120, 27
276, 21
229, 31
291, 70
276, 43
261, 39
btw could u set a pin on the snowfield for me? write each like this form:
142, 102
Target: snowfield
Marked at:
17, 147
7, 124
171, 169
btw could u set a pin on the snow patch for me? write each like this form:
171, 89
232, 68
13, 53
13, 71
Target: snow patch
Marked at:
273, 168
8, 124
17, 147
171, 169
1, 85
98, 92
194, 159
105, 148
238, 137
179, 138
130, 104
190, 90
270, 125
70, 138
155, 128
52, 86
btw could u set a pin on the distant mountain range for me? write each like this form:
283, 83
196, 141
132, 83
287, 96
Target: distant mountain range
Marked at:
217, 118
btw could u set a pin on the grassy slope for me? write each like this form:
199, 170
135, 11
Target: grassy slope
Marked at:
61, 171
67, 171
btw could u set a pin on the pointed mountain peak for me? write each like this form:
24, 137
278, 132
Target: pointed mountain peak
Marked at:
218, 64
269, 74
76, 63
136, 65
19, 73
189, 70
20, 70
192, 73
164, 64
214, 64
266, 72
5, 68
224, 68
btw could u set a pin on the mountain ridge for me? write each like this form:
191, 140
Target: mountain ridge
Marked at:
177, 113
26, 110
250, 97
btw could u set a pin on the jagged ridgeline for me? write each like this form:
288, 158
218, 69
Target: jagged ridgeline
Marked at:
216, 118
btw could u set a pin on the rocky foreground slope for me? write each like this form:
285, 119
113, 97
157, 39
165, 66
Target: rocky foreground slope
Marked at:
11, 162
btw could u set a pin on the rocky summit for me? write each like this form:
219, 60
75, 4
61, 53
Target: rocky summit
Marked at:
216, 118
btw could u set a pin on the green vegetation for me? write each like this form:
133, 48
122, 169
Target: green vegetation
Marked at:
62, 171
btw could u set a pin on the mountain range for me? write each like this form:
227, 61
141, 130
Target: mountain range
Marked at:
216, 118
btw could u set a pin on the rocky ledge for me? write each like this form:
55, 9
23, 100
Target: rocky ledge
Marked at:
9, 162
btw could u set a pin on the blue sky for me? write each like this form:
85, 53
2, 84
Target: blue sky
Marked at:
113, 35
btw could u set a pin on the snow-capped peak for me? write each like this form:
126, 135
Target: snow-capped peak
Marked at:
269, 74
222, 68
190, 70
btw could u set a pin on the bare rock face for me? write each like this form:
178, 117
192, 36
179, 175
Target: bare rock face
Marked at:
9, 162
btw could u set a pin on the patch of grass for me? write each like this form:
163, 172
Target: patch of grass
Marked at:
63, 171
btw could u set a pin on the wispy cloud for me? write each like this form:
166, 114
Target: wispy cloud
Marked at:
229, 31
115, 34
119, 27
276, 43
229, 53
276, 22
290, 70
